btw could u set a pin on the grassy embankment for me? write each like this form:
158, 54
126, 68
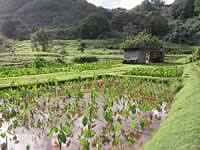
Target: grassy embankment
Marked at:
181, 130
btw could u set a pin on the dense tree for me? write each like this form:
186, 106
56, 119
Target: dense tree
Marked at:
119, 20
197, 7
158, 3
15, 29
184, 31
146, 6
93, 26
6, 45
182, 9
41, 38
159, 25
9, 28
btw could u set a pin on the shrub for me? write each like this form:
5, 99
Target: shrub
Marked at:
196, 55
82, 46
197, 52
41, 38
63, 52
142, 40
6, 45
85, 59
40, 62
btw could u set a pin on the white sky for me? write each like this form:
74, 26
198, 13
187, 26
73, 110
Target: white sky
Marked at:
128, 4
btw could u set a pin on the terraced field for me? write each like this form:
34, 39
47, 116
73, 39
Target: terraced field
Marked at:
100, 105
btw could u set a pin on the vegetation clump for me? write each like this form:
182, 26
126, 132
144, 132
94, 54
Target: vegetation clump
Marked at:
85, 59
82, 46
142, 40
196, 55
6, 45
165, 72
41, 39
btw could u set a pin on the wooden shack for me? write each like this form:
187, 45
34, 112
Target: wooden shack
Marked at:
134, 56
156, 56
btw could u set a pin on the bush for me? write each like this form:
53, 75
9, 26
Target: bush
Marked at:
6, 45
40, 62
142, 40
41, 38
82, 46
196, 55
85, 59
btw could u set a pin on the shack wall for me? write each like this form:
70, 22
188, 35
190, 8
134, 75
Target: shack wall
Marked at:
137, 57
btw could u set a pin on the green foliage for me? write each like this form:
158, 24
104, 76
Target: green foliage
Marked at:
41, 38
9, 28
40, 62
49, 13
159, 25
142, 124
197, 7
85, 121
182, 9
82, 46
157, 71
158, 3
85, 59
119, 20
184, 31
146, 6
6, 45
40, 66
196, 55
115, 98
93, 26
142, 40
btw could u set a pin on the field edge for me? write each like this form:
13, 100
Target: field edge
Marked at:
181, 129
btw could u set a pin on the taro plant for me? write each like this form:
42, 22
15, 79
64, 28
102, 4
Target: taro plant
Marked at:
88, 121
62, 133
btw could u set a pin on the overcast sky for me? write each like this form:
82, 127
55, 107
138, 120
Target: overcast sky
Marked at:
119, 3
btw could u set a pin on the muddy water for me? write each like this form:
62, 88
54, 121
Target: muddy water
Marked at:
37, 139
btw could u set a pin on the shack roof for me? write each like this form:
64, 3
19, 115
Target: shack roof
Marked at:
142, 49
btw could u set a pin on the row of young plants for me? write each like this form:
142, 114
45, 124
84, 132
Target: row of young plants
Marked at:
35, 69
166, 72
107, 109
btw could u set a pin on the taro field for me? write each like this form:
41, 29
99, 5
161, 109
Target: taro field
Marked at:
103, 114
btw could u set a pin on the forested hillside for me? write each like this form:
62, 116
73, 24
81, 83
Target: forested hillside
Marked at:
72, 19
33, 14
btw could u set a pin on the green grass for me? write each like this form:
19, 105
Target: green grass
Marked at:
181, 130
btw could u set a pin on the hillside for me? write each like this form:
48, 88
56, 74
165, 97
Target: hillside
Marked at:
176, 23
49, 13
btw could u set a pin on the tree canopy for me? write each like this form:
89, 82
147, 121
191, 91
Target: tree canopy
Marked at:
93, 26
